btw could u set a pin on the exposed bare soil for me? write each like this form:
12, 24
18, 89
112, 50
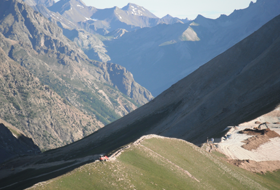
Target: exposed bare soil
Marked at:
257, 167
262, 136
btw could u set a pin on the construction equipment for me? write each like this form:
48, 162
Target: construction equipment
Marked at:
103, 158
259, 127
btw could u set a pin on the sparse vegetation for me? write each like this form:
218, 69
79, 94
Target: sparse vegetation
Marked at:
161, 163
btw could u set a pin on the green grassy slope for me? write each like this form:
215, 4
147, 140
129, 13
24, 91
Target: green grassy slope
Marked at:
162, 163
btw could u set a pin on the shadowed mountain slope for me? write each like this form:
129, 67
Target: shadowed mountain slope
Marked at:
239, 85
236, 86
13, 144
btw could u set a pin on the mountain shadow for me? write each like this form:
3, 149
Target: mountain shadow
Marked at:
15, 145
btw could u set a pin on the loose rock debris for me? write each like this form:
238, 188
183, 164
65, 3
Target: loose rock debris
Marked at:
262, 136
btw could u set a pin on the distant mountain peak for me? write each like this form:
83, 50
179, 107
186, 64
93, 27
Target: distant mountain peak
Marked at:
168, 19
168, 16
78, 3
199, 16
72, 1
137, 10
74, 9
129, 6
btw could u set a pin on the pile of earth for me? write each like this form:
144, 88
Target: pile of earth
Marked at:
257, 167
260, 137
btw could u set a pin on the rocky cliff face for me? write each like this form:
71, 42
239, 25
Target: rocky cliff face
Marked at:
38, 45
37, 110
37, 33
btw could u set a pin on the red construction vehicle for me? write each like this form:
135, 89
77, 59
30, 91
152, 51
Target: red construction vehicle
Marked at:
103, 158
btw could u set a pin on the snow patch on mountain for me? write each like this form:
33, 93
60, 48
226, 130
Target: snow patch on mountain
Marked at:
80, 6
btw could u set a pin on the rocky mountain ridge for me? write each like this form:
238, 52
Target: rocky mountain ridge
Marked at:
101, 92
100, 24
74, 14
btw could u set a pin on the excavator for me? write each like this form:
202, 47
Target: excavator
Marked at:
259, 127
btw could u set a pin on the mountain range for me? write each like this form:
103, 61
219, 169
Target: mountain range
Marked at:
236, 86
157, 51
162, 55
76, 14
51, 90
76, 19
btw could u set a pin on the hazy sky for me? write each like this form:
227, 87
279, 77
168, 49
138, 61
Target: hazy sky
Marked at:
178, 8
